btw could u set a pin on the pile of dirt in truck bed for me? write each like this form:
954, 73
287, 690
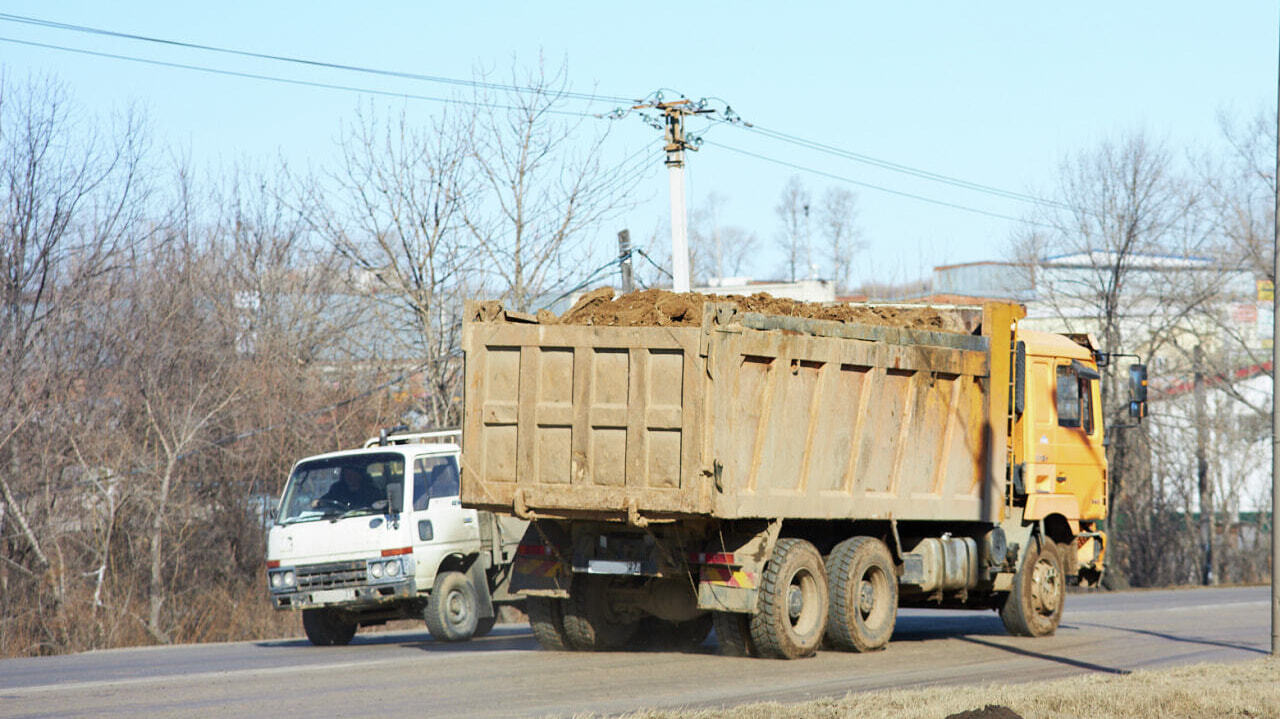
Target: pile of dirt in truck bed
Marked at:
662, 308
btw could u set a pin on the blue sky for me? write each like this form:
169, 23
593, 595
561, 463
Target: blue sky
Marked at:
994, 94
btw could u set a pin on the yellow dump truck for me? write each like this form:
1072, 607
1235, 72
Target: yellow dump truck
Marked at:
783, 478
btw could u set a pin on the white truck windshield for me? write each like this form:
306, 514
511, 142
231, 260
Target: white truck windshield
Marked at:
342, 486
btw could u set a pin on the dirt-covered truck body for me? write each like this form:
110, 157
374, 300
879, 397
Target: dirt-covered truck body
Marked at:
785, 475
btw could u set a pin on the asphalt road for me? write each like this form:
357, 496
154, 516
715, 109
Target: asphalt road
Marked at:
505, 674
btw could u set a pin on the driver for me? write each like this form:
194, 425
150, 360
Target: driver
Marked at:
353, 489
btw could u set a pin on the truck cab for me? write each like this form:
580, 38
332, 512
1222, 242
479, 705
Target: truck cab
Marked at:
366, 535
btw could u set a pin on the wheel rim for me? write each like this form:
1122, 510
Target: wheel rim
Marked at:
802, 603
873, 597
456, 607
1046, 588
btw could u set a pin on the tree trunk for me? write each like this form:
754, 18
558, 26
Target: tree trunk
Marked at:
155, 588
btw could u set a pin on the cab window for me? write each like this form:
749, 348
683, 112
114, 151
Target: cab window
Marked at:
1068, 397
433, 477
1074, 400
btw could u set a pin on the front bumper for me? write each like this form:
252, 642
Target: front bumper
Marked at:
340, 584
353, 597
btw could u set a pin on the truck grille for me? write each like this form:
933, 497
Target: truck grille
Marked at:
331, 575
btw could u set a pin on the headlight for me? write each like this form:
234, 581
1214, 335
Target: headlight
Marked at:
288, 578
375, 570
393, 568
276, 579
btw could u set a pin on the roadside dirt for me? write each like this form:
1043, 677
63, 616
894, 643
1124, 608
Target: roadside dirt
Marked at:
662, 308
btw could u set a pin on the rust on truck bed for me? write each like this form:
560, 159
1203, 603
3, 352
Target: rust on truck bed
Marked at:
742, 414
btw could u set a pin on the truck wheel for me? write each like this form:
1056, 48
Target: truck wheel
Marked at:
792, 613
452, 610
589, 620
546, 618
733, 634
1034, 607
864, 595
484, 625
667, 636
326, 627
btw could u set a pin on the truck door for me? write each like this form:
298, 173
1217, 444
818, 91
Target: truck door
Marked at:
1077, 438
441, 526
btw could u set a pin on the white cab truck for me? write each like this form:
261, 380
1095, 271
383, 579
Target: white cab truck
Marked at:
367, 535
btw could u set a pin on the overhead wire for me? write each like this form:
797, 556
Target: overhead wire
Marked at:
286, 80
872, 186
899, 167
39, 22
731, 118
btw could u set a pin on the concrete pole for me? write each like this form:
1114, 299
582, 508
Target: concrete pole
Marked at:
679, 230
624, 257
674, 116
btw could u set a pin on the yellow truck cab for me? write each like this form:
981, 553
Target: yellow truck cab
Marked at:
1059, 461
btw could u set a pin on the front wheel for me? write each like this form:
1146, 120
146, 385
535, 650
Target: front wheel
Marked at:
792, 602
327, 628
1034, 606
452, 610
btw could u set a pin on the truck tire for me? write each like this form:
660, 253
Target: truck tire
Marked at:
1033, 607
453, 609
668, 636
546, 618
590, 622
864, 595
733, 634
327, 628
792, 614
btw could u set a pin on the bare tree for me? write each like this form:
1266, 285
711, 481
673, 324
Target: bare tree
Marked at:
717, 249
543, 188
838, 217
1118, 255
793, 215
398, 219
70, 197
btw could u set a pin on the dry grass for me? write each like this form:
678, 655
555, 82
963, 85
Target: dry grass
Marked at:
1244, 689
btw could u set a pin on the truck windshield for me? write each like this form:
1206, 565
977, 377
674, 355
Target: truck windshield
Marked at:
341, 486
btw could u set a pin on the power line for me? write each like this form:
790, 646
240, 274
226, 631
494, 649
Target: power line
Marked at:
899, 167
285, 80
871, 186
590, 97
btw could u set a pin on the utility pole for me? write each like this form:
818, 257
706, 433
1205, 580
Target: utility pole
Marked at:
624, 260
1275, 417
676, 142
1202, 473
674, 113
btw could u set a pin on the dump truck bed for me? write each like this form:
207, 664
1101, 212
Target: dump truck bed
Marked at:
747, 415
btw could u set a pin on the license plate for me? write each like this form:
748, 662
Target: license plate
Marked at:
329, 596
610, 566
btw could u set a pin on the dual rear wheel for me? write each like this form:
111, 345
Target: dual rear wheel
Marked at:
851, 599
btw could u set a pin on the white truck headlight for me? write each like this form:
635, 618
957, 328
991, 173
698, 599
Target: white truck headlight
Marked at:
393, 568
375, 570
288, 578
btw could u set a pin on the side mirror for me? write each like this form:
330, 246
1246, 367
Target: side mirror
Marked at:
395, 497
1137, 391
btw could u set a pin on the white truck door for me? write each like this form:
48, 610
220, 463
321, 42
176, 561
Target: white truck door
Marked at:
440, 525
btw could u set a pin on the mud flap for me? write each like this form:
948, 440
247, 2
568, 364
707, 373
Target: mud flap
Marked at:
480, 580
546, 573
727, 589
